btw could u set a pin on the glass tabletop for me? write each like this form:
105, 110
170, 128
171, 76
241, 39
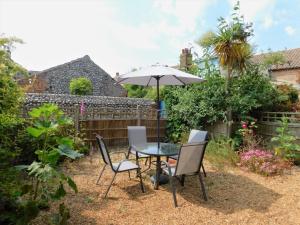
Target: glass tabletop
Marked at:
165, 149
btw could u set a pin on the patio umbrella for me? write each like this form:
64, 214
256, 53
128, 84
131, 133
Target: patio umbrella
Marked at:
158, 75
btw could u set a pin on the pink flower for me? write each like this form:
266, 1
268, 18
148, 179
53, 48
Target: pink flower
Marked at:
82, 108
244, 125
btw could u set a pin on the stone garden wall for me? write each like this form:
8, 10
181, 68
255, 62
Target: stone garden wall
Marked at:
92, 107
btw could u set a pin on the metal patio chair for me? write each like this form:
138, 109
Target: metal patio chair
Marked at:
189, 161
137, 137
195, 136
117, 167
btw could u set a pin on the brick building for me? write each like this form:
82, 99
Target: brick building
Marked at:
286, 73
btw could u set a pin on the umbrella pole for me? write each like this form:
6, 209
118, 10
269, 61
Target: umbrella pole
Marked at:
158, 111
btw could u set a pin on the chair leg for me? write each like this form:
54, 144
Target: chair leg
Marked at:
203, 170
110, 185
146, 161
202, 187
100, 174
127, 157
149, 163
173, 190
141, 180
182, 180
129, 175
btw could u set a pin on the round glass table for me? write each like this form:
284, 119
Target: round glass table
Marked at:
163, 149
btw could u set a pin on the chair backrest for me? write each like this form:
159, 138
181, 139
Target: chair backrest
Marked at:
103, 150
137, 136
197, 136
190, 158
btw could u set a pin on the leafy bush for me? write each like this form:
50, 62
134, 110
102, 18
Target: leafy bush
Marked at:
135, 91
220, 153
194, 106
16, 146
287, 98
81, 86
286, 147
10, 93
251, 92
47, 120
263, 162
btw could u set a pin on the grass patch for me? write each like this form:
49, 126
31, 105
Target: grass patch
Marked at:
220, 153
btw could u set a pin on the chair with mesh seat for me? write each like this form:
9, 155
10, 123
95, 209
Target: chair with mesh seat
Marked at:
116, 167
137, 137
189, 161
195, 136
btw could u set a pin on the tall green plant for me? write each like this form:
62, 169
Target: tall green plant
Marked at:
230, 45
285, 142
46, 121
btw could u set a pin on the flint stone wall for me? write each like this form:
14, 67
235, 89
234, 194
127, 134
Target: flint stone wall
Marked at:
94, 107
56, 80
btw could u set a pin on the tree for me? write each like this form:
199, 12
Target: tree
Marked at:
230, 45
81, 86
135, 91
273, 59
10, 93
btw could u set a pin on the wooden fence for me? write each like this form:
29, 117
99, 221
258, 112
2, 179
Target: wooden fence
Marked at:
112, 124
270, 121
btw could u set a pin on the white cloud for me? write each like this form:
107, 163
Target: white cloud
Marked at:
268, 21
58, 31
290, 30
253, 8
187, 12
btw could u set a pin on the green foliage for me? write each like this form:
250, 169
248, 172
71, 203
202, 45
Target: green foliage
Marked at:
81, 86
62, 216
230, 42
136, 91
195, 105
47, 121
251, 92
10, 93
287, 97
286, 147
273, 59
220, 153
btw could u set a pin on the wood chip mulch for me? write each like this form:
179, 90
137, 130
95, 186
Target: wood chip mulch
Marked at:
234, 197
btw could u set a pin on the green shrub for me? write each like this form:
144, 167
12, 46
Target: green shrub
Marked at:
286, 147
196, 105
220, 153
48, 182
287, 98
81, 86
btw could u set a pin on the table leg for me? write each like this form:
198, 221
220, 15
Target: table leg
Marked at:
158, 172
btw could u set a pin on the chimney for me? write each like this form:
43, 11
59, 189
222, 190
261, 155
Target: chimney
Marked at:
186, 59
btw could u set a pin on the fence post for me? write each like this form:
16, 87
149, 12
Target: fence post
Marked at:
138, 115
76, 117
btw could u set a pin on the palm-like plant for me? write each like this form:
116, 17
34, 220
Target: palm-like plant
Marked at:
230, 45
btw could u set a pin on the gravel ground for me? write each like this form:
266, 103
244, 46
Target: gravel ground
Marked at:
234, 197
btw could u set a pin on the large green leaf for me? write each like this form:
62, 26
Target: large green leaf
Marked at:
67, 151
35, 132
59, 193
65, 141
21, 167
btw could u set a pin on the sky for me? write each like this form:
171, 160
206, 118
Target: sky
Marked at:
120, 35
